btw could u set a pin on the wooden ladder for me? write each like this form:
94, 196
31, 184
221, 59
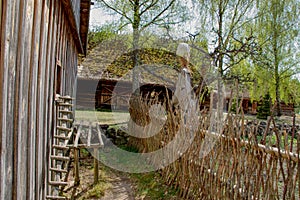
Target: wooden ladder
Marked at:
59, 158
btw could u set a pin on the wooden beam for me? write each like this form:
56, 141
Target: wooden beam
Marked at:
96, 166
0, 12
76, 166
67, 5
84, 22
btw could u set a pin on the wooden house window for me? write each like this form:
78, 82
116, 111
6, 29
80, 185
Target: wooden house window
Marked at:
58, 79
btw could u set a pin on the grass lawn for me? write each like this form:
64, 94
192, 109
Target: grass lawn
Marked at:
101, 117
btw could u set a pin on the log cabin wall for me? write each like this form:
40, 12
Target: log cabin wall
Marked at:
38, 57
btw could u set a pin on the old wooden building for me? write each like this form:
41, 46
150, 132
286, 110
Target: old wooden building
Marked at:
105, 76
40, 44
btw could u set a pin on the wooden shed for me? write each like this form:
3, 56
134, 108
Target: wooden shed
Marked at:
40, 44
105, 76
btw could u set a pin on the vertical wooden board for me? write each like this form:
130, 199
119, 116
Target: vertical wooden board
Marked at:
22, 83
59, 32
62, 52
9, 42
40, 106
44, 100
5, 181
32, 100
48, 92
52, 65
0, 17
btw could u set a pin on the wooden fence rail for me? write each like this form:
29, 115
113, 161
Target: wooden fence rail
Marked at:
235, 166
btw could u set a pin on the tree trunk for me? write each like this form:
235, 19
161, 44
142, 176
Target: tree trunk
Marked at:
136, 38
276, 59
135, 60
134, 104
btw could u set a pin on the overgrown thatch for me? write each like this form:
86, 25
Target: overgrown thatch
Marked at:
113, 60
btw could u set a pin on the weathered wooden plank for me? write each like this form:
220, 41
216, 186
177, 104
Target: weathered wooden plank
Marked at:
71, 20
76, 166
99, 134
40, 170
57, 38
96, 166
0, 14
48, 88
10, 40
29, 45
52, 111
76, 141
45, 143
22, 83
13, 93
89, 135
32, 101
6, 140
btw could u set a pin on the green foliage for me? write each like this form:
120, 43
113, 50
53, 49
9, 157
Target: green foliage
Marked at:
234, 105
290, 88
263, 110
277, 29
271, 140
100, 34
85, 152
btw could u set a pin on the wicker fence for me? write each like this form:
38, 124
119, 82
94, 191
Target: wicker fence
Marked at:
238, 166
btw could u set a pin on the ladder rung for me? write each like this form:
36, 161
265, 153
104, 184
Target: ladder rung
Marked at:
60, 147
66, 97
63, 137
63, 158
59, 170
63, 128
66, 111
65, 104
65, 119
56, 197
97, 145
57, 183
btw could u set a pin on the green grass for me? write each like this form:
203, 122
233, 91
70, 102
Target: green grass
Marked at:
101, 117
271, 140
151, 186
98, 190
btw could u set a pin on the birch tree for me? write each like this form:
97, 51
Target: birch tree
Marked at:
278, 29
144, 14
226, 25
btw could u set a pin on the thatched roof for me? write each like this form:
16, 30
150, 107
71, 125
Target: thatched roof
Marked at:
113, 60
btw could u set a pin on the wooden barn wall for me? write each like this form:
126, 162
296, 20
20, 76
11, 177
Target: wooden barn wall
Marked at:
86, 91
35, 36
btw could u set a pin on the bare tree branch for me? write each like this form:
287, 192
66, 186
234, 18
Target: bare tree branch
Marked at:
157, 16
153, 3
120, 12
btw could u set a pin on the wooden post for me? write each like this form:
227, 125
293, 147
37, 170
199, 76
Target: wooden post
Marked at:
0, 12
96, 166
76, 166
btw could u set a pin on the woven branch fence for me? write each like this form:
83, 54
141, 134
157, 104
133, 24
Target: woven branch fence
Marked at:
237, 166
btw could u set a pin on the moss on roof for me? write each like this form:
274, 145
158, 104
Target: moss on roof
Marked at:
113, 60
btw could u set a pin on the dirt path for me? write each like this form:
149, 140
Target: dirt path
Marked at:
114, 185
121, 188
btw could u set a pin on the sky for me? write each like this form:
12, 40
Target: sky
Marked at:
99, 17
